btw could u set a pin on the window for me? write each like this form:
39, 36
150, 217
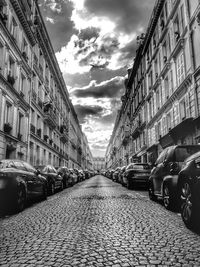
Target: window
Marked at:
1, 58
13, 28
169, 121
176, 29
183, 109
166, 82
180, 68
158, 99
182, 17
11, 66
22, 85
20, 124
8, 113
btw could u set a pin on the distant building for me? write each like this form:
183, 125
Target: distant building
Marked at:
38, 122
98, 163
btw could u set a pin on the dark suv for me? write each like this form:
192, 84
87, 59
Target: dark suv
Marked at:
164, 176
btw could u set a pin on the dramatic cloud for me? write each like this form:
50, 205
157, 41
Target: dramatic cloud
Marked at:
95, 43
87, 111
108, 89
128, 15
57, 14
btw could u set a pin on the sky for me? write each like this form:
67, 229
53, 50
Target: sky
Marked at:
95, 43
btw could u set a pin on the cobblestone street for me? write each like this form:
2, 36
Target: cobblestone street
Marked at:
97, 223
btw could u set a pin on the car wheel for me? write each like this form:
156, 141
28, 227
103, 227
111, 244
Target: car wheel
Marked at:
151, 192
168, 200
21, 199
187, 205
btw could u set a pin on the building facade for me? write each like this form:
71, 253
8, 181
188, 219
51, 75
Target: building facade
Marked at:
160, 106
37, 120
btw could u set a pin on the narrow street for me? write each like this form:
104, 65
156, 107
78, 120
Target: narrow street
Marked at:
97, 223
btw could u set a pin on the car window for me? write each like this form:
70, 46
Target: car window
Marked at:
53, 170
6, 164
181, 153
29, 168
19, 165
161, 157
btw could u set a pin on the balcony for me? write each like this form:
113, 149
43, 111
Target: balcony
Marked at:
137, 128
50, 118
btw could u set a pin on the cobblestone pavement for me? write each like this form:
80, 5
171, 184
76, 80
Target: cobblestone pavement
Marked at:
97, 223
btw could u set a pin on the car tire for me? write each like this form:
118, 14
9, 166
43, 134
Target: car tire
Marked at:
151, 192
168, 199
21, 199
187, 204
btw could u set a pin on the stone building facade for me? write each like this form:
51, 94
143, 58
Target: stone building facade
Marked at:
37, 120
160, 106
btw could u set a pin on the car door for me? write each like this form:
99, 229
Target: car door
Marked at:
28, 179
37, 182
157, 172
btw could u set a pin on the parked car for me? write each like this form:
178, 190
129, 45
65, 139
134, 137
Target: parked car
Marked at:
121, 174
74, 176
115, 174
136, 174
67, 178
189, 185
164, 176
54, 180
20, 182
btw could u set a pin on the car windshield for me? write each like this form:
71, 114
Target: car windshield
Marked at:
6, 164
181, 153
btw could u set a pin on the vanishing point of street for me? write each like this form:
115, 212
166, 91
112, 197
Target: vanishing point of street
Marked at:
97, 223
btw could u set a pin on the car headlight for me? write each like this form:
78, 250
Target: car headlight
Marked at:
2, 184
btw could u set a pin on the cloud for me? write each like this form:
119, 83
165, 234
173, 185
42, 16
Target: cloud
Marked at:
87, 111
126, 14
59, 12
107, 89
99, 147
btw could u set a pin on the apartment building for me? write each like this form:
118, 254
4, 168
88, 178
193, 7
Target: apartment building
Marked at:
37, 120
162, 88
